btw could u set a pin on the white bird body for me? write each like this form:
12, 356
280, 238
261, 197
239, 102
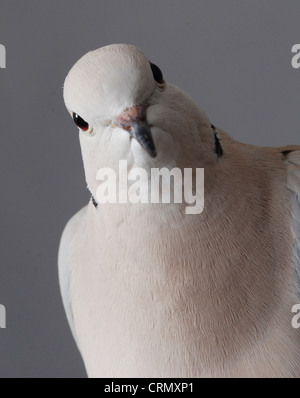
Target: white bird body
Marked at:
153, 292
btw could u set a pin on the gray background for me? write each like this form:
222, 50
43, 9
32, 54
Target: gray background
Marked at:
232, 56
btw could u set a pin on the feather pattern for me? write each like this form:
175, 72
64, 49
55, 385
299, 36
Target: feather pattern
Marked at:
293, 166
65, 267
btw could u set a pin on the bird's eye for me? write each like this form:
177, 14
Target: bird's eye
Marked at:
82, 124
157, 74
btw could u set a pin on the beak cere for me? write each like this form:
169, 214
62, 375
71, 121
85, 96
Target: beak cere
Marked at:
135, 122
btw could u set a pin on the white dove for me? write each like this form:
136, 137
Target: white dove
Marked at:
151, 291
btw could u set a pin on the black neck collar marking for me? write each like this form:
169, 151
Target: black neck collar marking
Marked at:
218, 147
95, 203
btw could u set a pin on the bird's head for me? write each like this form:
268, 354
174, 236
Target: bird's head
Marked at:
125, 110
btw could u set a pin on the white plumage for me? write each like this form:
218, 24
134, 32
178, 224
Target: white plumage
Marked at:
152, 292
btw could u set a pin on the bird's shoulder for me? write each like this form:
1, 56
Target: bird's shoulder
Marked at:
71, 233
291, 157
73, 228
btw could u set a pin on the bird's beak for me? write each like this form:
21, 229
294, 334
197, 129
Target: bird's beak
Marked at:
134, 121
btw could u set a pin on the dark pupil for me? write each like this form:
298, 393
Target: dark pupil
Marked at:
157, 73
82, 124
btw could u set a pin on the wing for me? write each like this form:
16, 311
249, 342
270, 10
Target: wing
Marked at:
65, 266
293, 166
